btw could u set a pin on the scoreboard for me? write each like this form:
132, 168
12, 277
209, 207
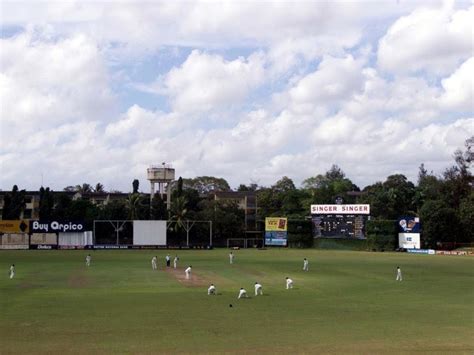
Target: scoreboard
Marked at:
339, 221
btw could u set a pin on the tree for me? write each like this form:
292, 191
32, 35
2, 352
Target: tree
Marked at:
99, 187
133, 205
335, 173
391, 199
158, 208
440, 223
206, 184
114, 210
326, 188
135, 185
178, 212
62, 203
82, 210
14, 204
46, 203
228, 220
466, 217
84, 188
251, 187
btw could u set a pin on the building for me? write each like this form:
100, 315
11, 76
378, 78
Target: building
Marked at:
247, 201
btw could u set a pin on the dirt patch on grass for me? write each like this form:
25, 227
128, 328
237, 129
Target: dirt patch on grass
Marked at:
78, 280
26, 285
180, 276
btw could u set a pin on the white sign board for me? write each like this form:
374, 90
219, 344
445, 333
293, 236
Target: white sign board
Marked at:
340, 209
149, 232
409, 240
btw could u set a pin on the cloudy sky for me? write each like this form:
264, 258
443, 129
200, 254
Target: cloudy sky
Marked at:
98, 91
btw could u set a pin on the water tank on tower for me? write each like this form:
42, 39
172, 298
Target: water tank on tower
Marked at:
162, 175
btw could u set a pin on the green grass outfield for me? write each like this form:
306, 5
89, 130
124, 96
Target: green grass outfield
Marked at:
349, 302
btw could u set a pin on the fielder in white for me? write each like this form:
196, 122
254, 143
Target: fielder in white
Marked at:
211, 290
258, 289
188, 272
12, 271
175, 262
399, 274
289, 283
305, 264
88, 260
242, 293
153, 263
231, 258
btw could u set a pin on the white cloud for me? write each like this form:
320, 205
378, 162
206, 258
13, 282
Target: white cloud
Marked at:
459, 88
207, 82
46, 82
336, 79
429, 39
294, 87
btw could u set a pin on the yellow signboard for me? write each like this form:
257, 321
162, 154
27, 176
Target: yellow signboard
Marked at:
14, 226
276, 224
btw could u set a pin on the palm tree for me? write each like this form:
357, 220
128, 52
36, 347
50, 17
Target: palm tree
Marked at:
133, 204
84, 188
99, 187
179, 212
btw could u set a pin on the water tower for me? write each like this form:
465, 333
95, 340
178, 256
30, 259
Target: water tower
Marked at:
161, 175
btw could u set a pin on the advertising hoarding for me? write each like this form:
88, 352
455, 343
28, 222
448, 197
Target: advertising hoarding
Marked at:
409, 240
14, 226
340, 209
54, 226
276, 231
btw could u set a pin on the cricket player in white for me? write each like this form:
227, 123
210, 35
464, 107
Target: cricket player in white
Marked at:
305, 264
12, 271
188, 272
258, 289
153, 263
231, 258
399, 274
242, 293
88, 260
175, 262
289, 283
211, 290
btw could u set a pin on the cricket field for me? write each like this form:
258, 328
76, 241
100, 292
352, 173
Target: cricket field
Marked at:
348, 302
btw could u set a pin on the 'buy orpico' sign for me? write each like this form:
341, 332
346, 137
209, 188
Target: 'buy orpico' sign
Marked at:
56, 227
340, 209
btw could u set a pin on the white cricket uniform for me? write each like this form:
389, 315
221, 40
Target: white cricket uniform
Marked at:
153, 263
175, 262
258, 289
305, 265
289, 284
211, 290
231, 258
399, 275
12, 272
242, 293
88, 260
188, 272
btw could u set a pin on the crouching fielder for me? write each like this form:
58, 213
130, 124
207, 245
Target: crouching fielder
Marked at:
242, 293
289, 283
211, 290
188, 272
258, 289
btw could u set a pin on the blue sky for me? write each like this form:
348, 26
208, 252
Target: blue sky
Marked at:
250, 92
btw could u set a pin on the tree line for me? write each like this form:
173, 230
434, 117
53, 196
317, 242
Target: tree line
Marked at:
444, 203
